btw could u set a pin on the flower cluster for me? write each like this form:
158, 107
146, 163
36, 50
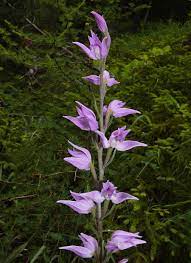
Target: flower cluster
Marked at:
106, 196
85, 202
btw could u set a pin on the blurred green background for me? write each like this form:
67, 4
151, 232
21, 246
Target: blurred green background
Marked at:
41, 77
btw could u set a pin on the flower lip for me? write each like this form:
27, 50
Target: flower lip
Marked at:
108, 190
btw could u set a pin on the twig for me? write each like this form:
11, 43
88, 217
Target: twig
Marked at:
19, 197
35, 26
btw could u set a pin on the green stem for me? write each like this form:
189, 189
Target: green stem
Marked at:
102, 94
108, 156
111, 160
100, 161
93, 171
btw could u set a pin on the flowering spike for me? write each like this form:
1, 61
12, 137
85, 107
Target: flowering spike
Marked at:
92, 201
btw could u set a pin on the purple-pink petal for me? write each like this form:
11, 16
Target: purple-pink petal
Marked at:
84, 111
104, 140
80, 251
79, 122
125, 260
84, 150
118, 110
75, 153
90, 245
125, 234
85, 49
86, 119
118, 135
125, 244
111, 247
108, 41
94, 39
121, 240
93, 195
108, 80
124, 112
89, 242
115, 104
80, 163
81, 206
108, 190
112, 82
120, 197
128, 145
81, 157
94, 79
104, 48
101, 23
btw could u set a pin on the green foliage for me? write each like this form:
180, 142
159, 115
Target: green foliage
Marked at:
155, 78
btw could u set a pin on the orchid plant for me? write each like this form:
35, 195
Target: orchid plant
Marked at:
97, 202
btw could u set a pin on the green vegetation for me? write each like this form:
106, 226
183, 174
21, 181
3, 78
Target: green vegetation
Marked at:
40, 75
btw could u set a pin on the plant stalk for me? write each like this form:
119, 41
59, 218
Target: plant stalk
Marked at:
100, 161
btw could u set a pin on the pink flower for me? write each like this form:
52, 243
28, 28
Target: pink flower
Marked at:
89, 248
81, 157
116, 108
86, 119
80, 205
98, 49
122, 240
117, 140
94, 79
108, 192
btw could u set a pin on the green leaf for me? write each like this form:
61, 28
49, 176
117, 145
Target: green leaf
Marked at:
16, 252
39, 252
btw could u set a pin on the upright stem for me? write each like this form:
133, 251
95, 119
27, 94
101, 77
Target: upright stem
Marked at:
102, 96
100, 159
